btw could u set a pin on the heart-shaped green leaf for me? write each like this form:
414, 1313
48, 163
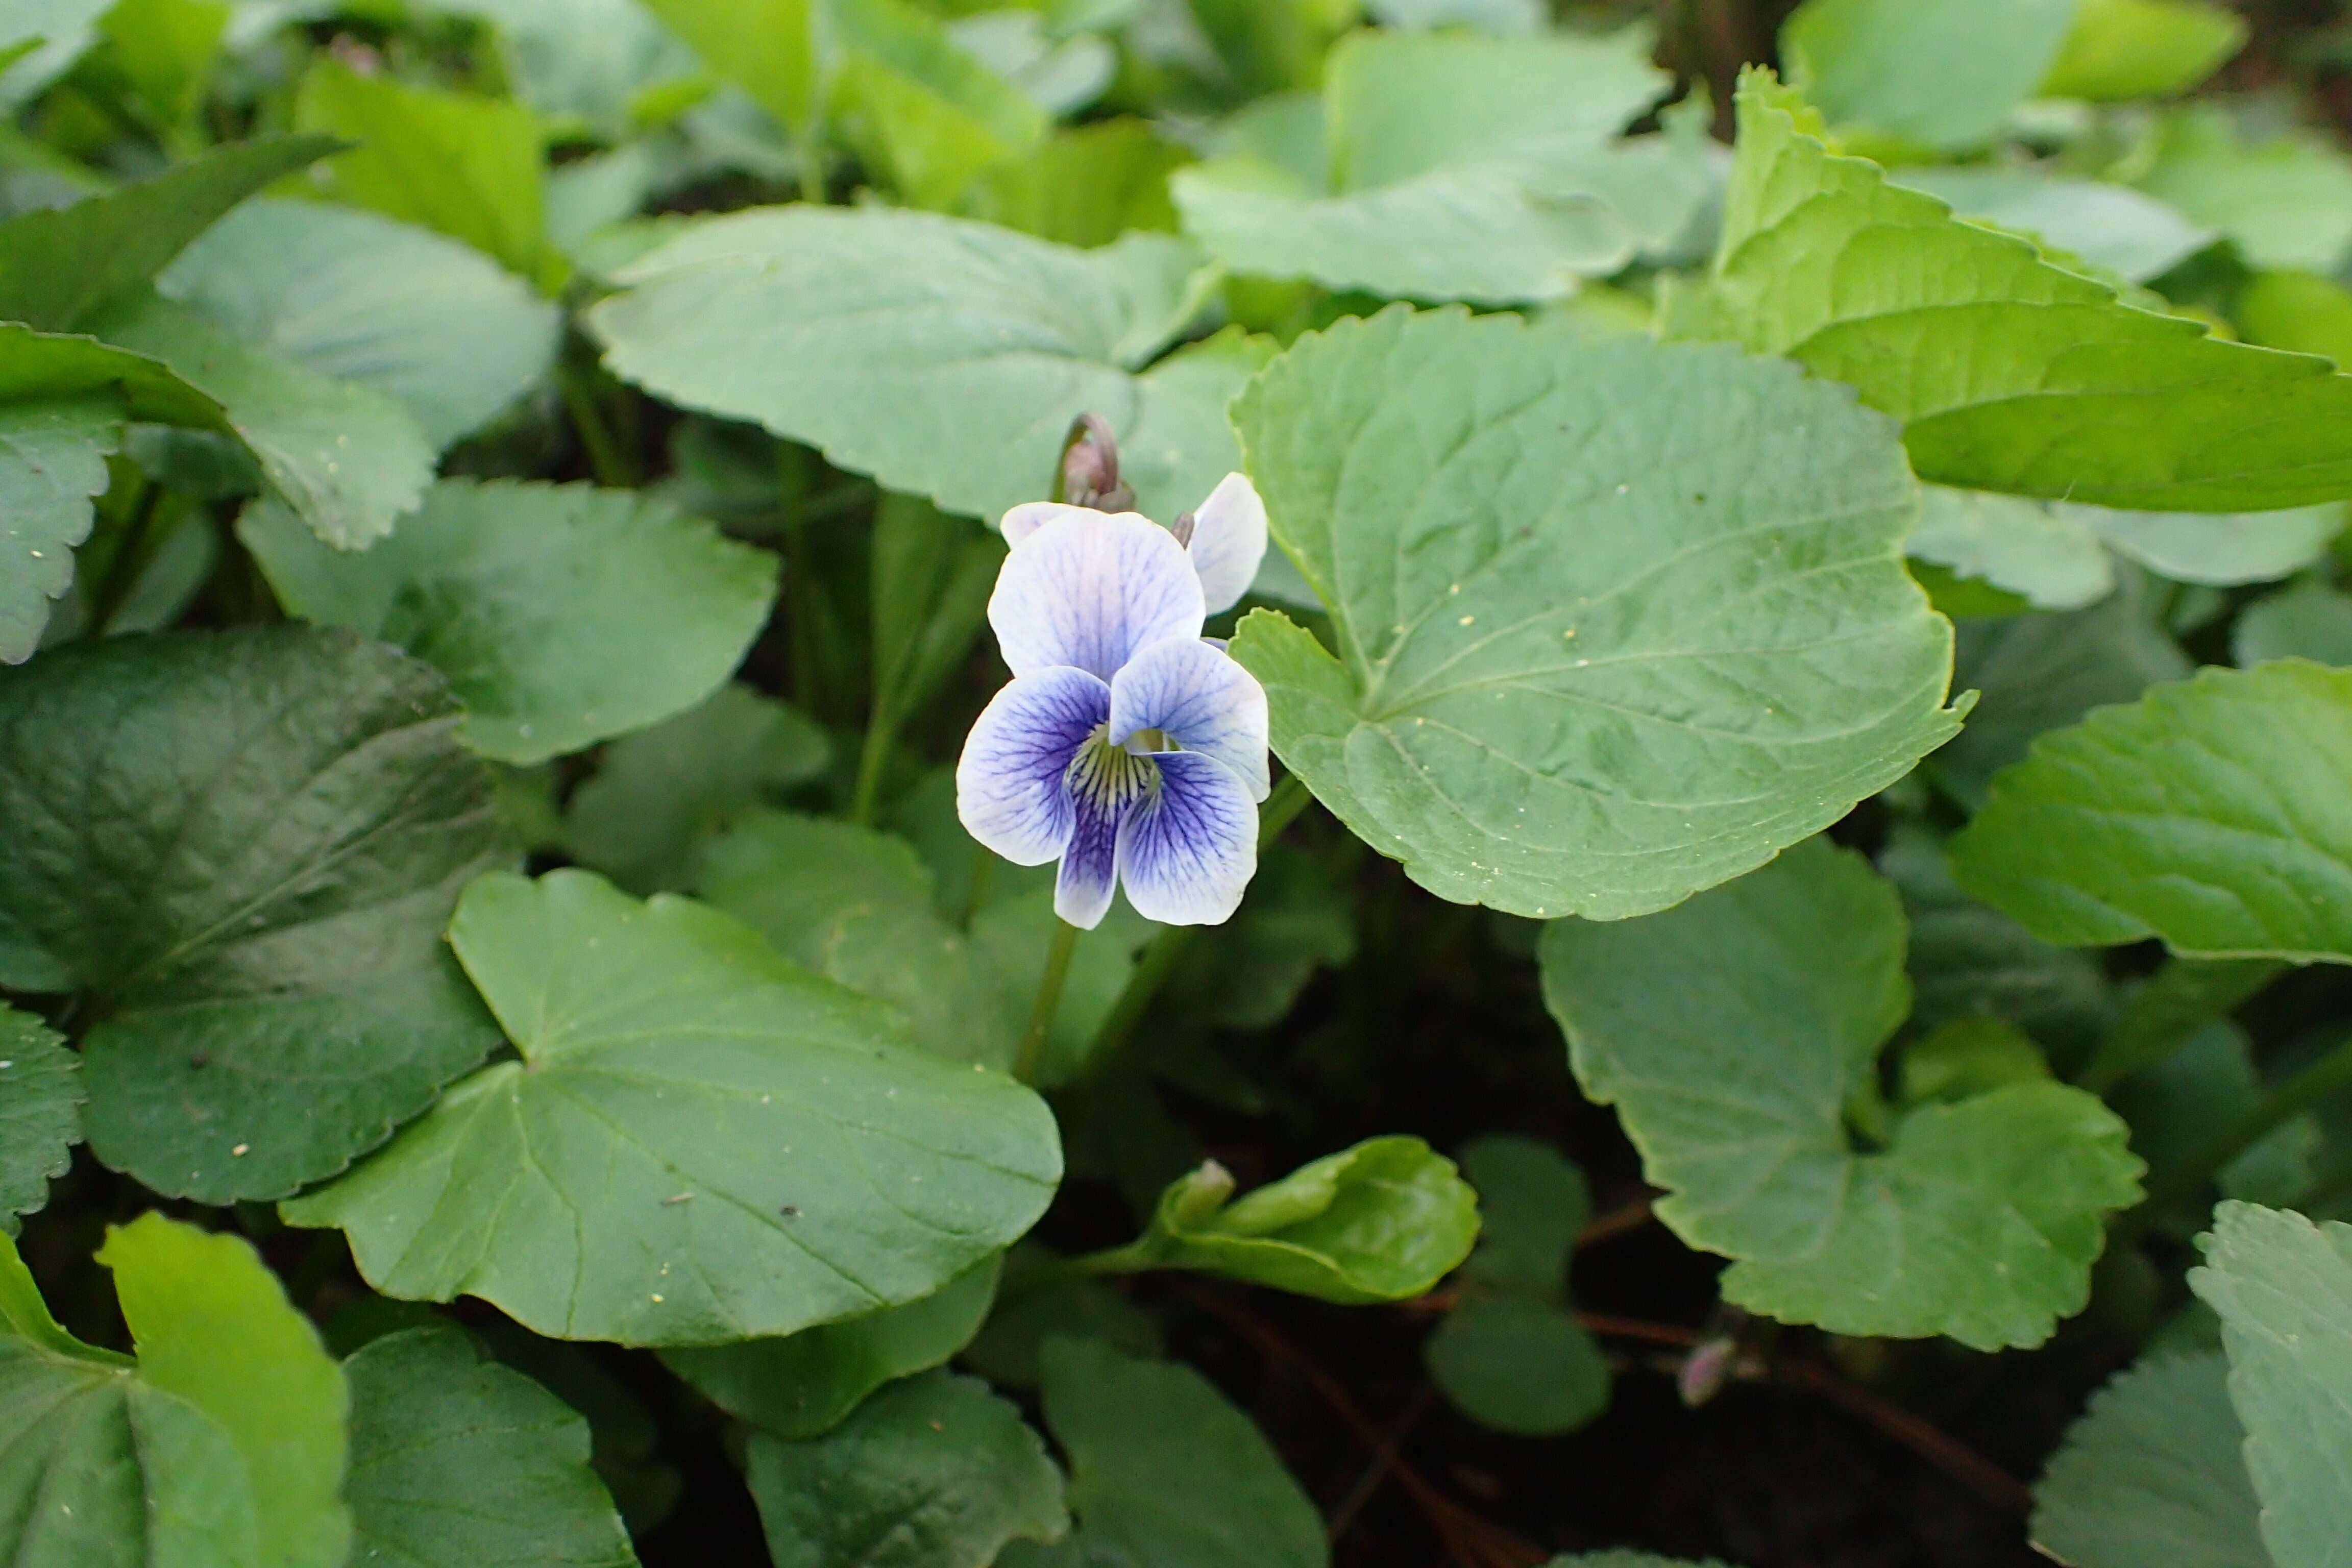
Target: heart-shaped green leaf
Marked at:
41, 1113
2153, 1473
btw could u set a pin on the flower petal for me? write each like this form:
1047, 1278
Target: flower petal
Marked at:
1089, 588
1025, 518
1202, 699
1228, 542
1090, 864
1187, 850
1009, 789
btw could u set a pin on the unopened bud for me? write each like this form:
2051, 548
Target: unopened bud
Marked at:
1705, 1371
1199, 1195
1183, 528
1089, 473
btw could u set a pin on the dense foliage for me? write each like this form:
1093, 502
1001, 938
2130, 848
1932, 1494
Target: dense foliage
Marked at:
645, 915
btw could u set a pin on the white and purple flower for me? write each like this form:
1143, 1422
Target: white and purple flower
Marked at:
1126, 747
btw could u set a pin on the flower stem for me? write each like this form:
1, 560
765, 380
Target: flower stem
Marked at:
2287, 1100
1159, 959
866, 799
1031, 1054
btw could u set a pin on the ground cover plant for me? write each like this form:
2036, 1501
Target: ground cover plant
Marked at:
1175, 784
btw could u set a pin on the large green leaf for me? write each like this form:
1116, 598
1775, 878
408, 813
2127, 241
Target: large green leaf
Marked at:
945, 357
53, 457
457, 1462
933, 1473
1737, 1034
1383, 1221
2009, 374
56, 266
1616, 620
360, 297
2113, 227
2151, 1478
1162, 1471
1460, 167
2283, 1286
657, 794
801, 1386
2307, 621
1085, 185
2210, 813
700, 1143
2285, 200
41, 1113
2018, 545
346, 456
2143, 49
1924, 72
222, 1448
469, 166
241, 848
561, 613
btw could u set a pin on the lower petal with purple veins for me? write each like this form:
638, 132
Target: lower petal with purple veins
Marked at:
1011, 788
1105, 785
1188, 849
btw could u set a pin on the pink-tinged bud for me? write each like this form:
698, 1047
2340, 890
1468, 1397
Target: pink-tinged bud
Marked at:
1090, 473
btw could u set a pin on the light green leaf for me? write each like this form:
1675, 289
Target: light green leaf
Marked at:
2140, 822
1162, 1471
41, 1113
914, 104
657, 794
1519, 1365
2040, 672
767, 48
2297, 311
1737, 1034
2142, 48
2115, 229
1434, 138
2283, 1289
1510, 19
945, 357
801, 1386
241, 848
1617, 620
2009, 373
933, 1473
457, 1462
213, 1327
468, 166
1924, 71
2150, 1477
1383, 1221
700, 1143
855, 906
41, 39
52, 461
347, 457
1084, 185
162, 50
2016, 544
357, 297
2306, 621
2222, 551
2287, 201
57, 266
584, 62
561, 613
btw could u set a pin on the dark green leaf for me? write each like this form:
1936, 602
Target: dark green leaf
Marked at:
2306, 621
242, 847
457, 1462
1531, 1205
1737, 1034
1519, 1365
52, 461
801, 1386
935, 1472
1085, 185
1162, 1471
659, 793
561, 613
2151, 1478
57, 266
932, 576
700, 1143
41, 1113
1617, 620
2139, 821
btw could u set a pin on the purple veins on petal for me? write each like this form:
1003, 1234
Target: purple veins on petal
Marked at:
1187, 851
1195, 695
1011, 782
1088, 589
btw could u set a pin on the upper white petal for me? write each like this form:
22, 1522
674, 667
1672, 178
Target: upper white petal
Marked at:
1025, 518
1228, 542
1088, 589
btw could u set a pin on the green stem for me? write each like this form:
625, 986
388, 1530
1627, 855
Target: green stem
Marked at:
1031, 1054
1167, 949
866, 798
810, 147
2196, 1169
605, 459
975, 893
